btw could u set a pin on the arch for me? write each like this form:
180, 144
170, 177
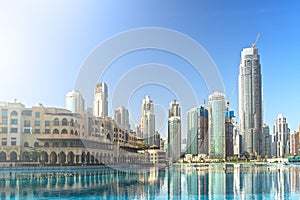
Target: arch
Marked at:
72, 122
76, 133
70, 158
36, 144
83, 157
64, 131
26, 156
13, 156
108, 137
93, 158
26, 144
56, 131
13, 113
97, 157
88, 157
64, 122
2, 156
53, 158
44, 157
56, 122
62, 157
72, 132
46, 144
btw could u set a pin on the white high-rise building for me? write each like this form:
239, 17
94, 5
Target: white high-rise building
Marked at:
174, 131
216, 126
148, 121
281, 135
121, 116
101, 100
250, 102
75, 102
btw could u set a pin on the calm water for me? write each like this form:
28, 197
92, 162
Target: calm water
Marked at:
176, 182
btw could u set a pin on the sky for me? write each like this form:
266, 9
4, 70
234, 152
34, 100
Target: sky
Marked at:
44, 44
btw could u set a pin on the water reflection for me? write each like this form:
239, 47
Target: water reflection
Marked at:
175, 182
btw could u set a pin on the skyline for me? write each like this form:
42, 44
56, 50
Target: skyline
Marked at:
43, 52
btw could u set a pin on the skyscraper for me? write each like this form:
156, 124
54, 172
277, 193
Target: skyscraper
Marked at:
174, 131
75, 102
267, 140
281, 134
197, 128
250, 101
216, 125
101, 100
121, 116
148, 121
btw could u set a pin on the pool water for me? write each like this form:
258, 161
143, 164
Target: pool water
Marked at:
215, 181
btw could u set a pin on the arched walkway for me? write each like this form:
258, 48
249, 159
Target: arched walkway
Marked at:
62, 157
44, 157
71, 158
13, 156
2, 156
26, 156
53, 158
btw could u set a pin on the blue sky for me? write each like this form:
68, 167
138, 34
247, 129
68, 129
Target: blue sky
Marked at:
44, 43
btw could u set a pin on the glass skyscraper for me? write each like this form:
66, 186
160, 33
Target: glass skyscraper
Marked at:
216, 125
101, 100
174, 131
250, 102
148, 121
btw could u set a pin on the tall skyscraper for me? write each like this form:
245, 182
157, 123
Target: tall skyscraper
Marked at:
229, 131
294, 144
281, 134
197, 129
216, 125
174, 131
250, 101
101, 100
121, 116
267, 140
75, 102
148, 121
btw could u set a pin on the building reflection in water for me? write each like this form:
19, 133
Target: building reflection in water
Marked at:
174, 182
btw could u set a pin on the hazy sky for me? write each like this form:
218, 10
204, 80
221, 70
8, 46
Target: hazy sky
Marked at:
43, 45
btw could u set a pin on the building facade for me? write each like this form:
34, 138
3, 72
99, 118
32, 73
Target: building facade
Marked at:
101, 100
281, 133
52, 136
229, 132
75, 102
148, 121
267, 141
294, 144
250, 101
216, 126
174, 131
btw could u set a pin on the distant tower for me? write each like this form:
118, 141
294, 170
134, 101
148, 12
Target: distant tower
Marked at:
148, 121
216, 125
121, 116
281, 133
74, 102
174, 131
101, 100
250, 101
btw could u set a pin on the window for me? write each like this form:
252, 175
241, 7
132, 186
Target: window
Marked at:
4, 141
37, 123
26, 144
3, 130
56, 122
26, 123
36, 144
37, 131
37, 114
14, 121
4, 121
4, 113
14, 130
55, 131
47, 123
64, 131
13, 142
14, 113
64, 122
47, 131
27, 130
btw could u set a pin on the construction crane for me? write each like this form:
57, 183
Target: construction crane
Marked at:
254, 43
